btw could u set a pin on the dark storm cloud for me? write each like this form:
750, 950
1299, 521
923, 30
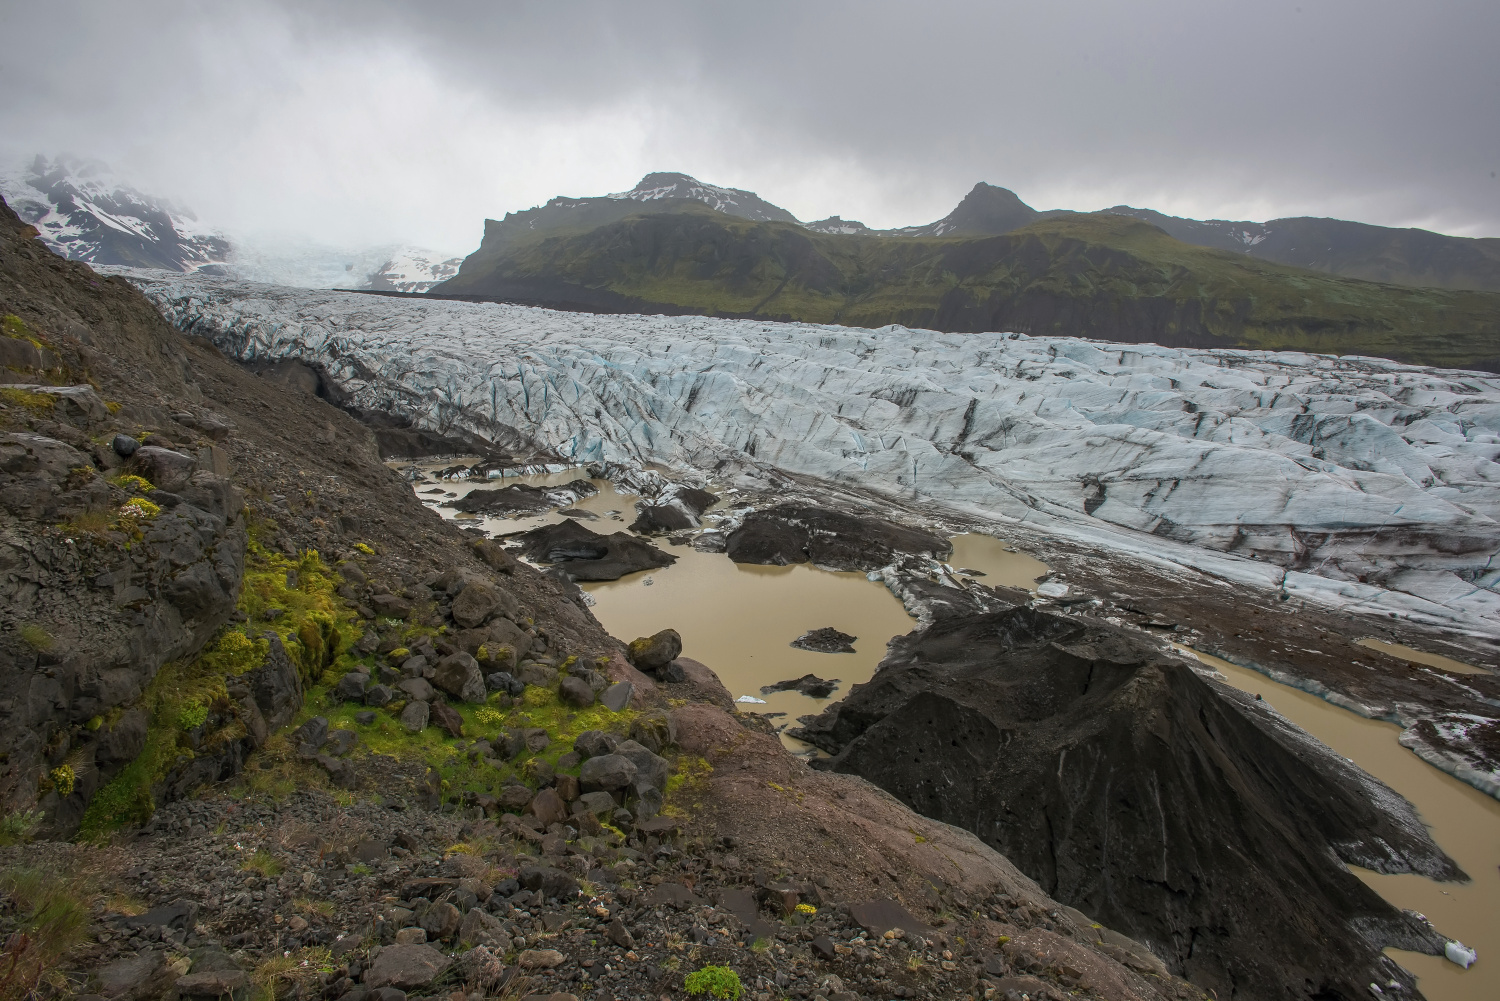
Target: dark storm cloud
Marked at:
414, 121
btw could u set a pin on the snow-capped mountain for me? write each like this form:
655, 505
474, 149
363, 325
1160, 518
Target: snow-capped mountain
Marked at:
413, 270
660, 187
83, 211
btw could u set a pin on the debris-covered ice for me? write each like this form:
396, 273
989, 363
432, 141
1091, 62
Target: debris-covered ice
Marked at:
1353, 481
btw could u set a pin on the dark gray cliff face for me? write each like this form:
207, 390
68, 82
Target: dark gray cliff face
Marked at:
1129, 788
91, 616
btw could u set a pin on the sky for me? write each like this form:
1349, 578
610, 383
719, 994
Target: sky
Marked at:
372, 122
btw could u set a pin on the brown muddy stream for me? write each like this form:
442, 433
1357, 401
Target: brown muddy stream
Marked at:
740, 621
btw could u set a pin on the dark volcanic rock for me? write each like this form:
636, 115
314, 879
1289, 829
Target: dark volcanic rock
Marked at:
795, 533
522, 498
825, 640
1128, 787
587, 555
654, 652
808, 684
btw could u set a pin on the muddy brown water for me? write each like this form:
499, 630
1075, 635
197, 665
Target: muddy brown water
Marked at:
740, 620
1464, 822
1402, 652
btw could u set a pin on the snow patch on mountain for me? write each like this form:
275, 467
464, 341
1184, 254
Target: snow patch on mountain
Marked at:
413, 270
83, 211
1356, 482
732, 201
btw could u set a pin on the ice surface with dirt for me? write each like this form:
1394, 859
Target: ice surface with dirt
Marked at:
1352, 481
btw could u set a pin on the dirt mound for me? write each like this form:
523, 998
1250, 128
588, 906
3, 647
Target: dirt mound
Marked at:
587, 555
795, 533
1129, 788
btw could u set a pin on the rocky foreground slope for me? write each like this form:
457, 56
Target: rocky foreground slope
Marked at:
240, 662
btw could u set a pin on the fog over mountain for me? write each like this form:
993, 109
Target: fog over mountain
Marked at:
382, 122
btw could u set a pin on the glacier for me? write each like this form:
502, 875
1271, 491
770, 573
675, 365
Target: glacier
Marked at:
1357, 482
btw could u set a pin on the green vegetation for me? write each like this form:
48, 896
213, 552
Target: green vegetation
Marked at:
316, 632
263, 862
715, 981
36, 637
1089, 275
52, 918
19, 827
140, 507
36, 404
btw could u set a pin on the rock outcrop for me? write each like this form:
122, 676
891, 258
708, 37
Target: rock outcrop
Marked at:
834, 540
1132, 789
586, 555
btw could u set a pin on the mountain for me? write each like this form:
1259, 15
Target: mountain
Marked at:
1100, 275
412, 270
84, 212
655, 193
1353, 249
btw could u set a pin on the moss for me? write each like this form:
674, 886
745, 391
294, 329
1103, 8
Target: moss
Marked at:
36, 404
365, 548
36, 637
192, 715
133, 483
316, 632
715, 981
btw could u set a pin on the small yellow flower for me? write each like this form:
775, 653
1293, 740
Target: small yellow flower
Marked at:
807, 909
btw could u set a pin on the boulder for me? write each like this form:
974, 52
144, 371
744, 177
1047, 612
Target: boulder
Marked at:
458, 674
406, 967
548, 807
417, 688
313, 732
600, 804
617, 696
378, 695
594, 743
809, 684
440, 921
479, 927
351, 687
414, 717
651, 653
124, 445
651, 769
443, 715
540, 959
503, 681
654, 731
576, 692
513, 798
166, 469
825, 640
340, 742
212, 983
608, 772
539, 675
478, 602
389, 606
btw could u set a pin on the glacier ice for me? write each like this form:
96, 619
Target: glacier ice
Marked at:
1355, 481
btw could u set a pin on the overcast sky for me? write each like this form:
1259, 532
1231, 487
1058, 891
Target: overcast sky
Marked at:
369, 121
